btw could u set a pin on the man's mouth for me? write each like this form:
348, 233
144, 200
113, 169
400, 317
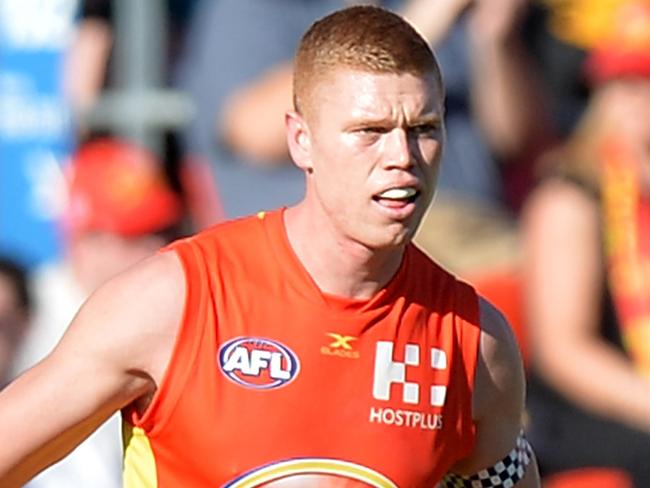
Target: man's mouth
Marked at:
397, 196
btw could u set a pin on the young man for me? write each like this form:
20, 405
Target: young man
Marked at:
312, 346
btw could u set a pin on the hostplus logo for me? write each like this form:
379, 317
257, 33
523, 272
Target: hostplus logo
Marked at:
389, 372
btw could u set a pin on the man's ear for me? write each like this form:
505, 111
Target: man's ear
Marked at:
298, 140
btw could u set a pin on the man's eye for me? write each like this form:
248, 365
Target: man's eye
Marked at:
373, 130
424, 128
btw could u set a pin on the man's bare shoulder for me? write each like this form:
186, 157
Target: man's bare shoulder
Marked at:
134, 317
498, 399
500, 374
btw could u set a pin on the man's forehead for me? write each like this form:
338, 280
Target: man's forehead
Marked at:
360, 76
366, 90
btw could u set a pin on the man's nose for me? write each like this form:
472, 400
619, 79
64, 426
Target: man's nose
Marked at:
398, 150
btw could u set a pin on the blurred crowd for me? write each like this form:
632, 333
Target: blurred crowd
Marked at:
174, 121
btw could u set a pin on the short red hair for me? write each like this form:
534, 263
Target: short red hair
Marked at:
364, 38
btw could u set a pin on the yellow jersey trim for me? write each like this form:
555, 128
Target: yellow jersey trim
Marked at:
139, 461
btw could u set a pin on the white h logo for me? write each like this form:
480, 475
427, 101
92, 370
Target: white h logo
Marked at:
388, 372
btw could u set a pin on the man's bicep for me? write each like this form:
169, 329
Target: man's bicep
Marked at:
100, 365
498, 404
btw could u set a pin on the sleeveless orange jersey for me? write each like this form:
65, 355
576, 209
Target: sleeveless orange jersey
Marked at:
273, 383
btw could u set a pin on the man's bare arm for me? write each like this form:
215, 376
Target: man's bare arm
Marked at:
499, 396
114, 352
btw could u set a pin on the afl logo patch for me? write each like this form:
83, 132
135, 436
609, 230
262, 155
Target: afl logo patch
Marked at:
258, 363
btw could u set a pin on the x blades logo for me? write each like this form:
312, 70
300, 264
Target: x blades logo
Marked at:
340, 346
258, 363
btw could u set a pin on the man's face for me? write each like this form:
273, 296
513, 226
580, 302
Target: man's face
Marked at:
375, 143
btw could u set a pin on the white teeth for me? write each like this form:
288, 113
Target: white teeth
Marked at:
398, 193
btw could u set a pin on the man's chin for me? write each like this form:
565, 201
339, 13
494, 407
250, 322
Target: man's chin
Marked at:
396, 236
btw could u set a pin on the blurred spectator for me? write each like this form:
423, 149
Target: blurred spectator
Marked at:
587, 237
120, 211
118, 76
90, 67
238, 70
15, 310
560, 34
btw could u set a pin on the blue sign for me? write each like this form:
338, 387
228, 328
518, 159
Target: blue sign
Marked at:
35, 128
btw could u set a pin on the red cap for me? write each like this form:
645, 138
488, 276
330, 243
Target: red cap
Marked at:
118, 187
626, 50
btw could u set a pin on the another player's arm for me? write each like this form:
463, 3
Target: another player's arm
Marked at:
113, 353
498, 402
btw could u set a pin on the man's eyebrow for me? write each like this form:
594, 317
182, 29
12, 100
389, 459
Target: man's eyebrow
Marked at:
365, 118
428, 118
366, 122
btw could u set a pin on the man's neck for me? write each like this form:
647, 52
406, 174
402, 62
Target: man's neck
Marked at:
339, 266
